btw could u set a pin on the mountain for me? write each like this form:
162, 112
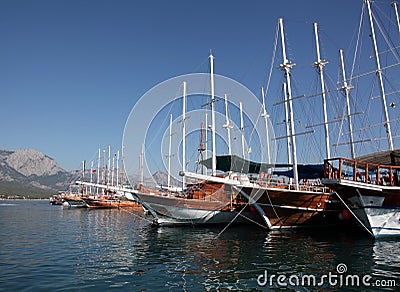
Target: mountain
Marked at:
28, 172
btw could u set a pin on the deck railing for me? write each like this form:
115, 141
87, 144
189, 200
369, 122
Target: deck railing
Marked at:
360, 171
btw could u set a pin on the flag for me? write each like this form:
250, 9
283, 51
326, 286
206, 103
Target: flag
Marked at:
94, 170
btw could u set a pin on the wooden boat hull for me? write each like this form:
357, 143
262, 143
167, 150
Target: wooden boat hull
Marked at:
287, 209
110, 204
273, 207
212, 203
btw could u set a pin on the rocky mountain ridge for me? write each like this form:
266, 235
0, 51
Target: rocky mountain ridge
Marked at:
30, 172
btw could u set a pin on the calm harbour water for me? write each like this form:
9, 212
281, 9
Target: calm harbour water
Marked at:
48, 248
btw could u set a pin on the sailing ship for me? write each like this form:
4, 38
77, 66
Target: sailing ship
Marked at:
369, 185
203, 201
106, 192
244, 190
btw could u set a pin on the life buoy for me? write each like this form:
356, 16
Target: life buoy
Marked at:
235, 177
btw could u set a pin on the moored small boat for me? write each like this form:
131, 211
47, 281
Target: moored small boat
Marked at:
109, 203
74, 202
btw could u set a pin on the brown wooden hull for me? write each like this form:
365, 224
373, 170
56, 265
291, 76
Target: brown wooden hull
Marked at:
110, 204
203, 203
292, 209
283, 208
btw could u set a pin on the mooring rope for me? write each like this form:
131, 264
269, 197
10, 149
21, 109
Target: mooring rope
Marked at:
354, 215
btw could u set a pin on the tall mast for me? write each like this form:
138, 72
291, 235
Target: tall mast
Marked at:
83, 175
141, 166
122, 166
379, 73
113, 170
320, 64
98, 172
287, 123
206, 141
201, 146
242, 130
214, 157
184, 136
227, 125
169, 150
103, 175
206, 136
117, 172
286, 66
266, 116
394, 4
91, 178
346, 88
108, 165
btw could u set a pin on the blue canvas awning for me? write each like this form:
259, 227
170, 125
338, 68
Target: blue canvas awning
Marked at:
238, 164
306, 171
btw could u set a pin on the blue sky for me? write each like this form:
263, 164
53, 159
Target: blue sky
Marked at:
71, 71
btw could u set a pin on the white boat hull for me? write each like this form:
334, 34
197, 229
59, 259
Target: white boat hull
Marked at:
372, 205
384, 222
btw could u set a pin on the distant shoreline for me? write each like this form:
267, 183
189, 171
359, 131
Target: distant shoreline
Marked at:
24, 199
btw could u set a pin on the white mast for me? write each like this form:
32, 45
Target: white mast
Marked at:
266, 116
286, 66
379, 73
214, 157
184, 136
228, 125
141, 166
169, 150
98, 172
103, 175
117, 172
108, 165
242, 130
122, 166
394, 4
113, 170
287, 123
83, 175
346, 89
91, 178
320, 64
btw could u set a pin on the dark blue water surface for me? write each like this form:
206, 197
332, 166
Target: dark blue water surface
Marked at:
48, 248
